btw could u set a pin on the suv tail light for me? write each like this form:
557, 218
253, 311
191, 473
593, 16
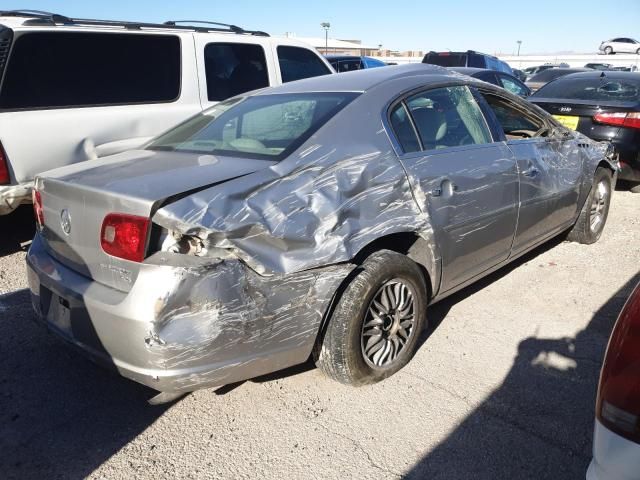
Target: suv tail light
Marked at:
620, 119
38, 210
124, 236
4, 167
618, 406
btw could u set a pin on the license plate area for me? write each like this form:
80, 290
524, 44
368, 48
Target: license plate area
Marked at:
59, 313
569, 121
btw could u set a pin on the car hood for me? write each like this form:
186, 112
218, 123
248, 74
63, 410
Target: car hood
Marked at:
155, 175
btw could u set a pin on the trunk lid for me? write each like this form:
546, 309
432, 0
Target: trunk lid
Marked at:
584, 111
135, 183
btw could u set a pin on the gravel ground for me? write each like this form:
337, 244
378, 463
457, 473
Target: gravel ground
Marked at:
502, 387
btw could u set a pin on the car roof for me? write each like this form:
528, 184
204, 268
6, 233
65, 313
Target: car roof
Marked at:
363, 80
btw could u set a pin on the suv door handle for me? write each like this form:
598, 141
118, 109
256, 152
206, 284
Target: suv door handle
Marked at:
531, 172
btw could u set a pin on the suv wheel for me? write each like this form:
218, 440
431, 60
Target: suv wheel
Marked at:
374, 329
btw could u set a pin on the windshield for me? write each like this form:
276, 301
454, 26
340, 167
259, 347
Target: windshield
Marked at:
599, 88
265, 127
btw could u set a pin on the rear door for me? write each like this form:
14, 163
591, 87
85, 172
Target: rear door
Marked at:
466, 182
69, 95
549, 168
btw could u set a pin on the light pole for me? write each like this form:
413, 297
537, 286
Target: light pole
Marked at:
519, 42
326, 26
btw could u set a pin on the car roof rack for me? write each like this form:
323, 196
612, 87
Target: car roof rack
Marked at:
38, 18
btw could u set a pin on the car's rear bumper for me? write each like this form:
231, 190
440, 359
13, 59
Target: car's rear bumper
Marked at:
614, 457
183, 328
12, 196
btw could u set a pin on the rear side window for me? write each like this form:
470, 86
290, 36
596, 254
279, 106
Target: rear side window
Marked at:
405, 133
599, 88
444, 117
511, 85
234, 68
297, 63
73, 69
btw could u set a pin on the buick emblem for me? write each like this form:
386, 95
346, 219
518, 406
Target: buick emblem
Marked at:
65, 221
565, 109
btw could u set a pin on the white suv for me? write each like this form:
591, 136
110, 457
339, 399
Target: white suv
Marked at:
77, 89
620, 45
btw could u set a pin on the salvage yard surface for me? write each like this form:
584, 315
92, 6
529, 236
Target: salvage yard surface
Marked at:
502, 387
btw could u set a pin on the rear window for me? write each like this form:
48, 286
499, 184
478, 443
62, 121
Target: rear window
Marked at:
298, 63
446, 59
265, 127
551, 74
599, 88
73, 69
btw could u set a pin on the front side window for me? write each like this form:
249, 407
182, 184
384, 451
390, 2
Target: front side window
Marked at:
515, 121
297, 63
234, 68
448, 117
76, 69
267, 127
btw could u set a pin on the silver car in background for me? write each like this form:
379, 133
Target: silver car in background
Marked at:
318, 218
620, 45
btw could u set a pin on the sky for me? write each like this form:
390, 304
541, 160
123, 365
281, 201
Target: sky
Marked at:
543, 26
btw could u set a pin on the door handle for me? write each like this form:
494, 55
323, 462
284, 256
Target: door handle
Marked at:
531, 172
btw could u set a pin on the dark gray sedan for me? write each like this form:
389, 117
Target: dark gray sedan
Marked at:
319, 218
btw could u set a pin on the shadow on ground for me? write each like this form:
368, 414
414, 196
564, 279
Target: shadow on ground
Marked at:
60, 415
538, 424
16, 229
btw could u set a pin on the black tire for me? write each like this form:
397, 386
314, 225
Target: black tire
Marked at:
595, 208
608, 51
341, 355
638, 51
635, 188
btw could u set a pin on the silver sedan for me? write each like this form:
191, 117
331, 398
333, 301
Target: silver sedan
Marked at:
315, 219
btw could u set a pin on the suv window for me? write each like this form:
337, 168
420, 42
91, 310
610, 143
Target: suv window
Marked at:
347, 65
516, 123
234, 68
446, 117
446, 59
477, 61
75, 69
297, 63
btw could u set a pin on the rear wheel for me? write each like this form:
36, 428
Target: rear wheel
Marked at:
374, 329
635, 188
593, 216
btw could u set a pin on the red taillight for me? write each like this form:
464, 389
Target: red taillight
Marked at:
618, 406
620, 119
38, 210
124, 236
4, 167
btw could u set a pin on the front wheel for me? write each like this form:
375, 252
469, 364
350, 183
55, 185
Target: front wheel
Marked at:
593, 216
608, 51
374, 329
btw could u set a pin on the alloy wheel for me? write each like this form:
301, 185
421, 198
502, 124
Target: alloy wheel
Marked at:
598, 206
389, 323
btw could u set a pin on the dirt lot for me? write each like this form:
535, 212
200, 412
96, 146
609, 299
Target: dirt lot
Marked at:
502, 387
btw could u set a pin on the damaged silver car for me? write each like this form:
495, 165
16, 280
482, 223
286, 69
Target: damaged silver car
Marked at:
315, 219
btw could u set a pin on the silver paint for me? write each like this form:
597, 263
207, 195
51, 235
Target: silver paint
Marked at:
278, 239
